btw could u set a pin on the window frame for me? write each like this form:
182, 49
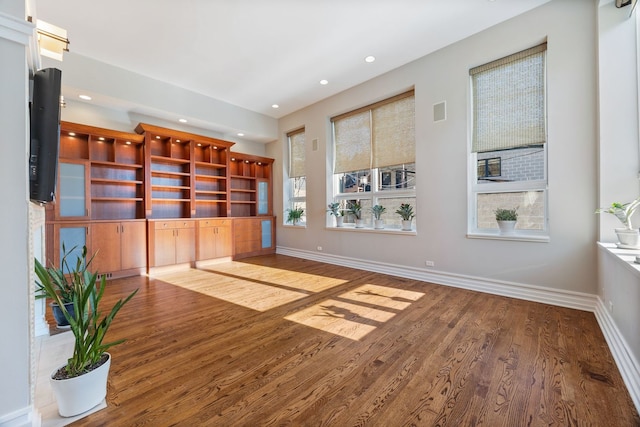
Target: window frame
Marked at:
374, 195
289, 187
475, 188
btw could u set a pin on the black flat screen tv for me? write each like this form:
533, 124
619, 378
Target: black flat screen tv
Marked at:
44, 134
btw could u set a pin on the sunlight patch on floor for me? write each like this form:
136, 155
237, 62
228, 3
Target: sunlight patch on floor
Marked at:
277, 276
356, 319
247, 293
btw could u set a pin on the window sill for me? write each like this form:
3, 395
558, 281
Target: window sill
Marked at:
625, 256
513, 237
294, 226
373, 230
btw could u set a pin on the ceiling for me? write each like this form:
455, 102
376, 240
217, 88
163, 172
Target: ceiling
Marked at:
256, 53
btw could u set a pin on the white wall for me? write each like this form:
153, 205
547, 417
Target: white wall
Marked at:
15, 316
568, 260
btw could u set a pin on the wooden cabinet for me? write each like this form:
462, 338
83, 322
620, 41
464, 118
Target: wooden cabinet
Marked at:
119, 246
186, 174
214, 239
250, 190
171, 242
253, 236
157, 197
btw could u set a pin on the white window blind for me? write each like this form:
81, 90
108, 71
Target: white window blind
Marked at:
509, 101
379, 135
297, 154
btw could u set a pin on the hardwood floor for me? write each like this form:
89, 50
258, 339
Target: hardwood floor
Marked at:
276, 340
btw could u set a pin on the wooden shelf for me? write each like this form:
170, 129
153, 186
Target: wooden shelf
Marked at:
116, 181
161, 159
116, 165
117, 199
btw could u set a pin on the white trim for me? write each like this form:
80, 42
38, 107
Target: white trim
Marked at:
627, 364
27, 416
16, 30
557, 297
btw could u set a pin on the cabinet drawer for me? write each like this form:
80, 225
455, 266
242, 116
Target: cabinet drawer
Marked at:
168, 225
213, 223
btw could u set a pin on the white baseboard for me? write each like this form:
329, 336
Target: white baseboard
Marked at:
627, 364
562, 298
25, 417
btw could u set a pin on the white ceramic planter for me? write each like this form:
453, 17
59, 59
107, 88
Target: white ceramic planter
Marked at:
80, 394
339, 221
359, 223
378, 224
406, 224
507, 227
628, 238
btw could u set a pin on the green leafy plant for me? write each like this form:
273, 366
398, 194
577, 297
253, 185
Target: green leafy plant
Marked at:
406, 212
622, 211
355, 209
87, 323
59, 283
377, 211
506, 214
294, 215
334, 209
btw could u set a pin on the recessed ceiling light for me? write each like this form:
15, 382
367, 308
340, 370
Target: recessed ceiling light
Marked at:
101, 138
324, 82
85, 97
240, 134
370, 58
275, 106
182, 120
128, 142
72, 134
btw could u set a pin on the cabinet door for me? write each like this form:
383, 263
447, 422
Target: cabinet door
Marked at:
165, 247
223, 247
263, 197
185, 243
106, 245
206, 240
67, 237
134, 244
72, 196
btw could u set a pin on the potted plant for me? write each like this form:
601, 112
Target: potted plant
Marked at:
406, 213
81, 383
355, 209
377, 211
627, 236
295, 215
506, 219
334, 209
62, 287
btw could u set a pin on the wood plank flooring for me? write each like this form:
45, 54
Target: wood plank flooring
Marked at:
275, 340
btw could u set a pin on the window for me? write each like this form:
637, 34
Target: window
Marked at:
508, 147
374, 158
297, 182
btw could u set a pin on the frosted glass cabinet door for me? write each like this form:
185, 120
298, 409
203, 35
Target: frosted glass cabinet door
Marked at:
263, 197
72, 238
266, 233
72, 197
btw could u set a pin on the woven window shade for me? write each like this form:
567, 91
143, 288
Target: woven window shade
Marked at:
297, 154
394, 141
509, 101
353, 142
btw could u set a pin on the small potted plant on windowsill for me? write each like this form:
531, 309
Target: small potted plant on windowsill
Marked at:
334, 209
628, 236
377, 211
406, 213
355, 209
506, 219
294, 215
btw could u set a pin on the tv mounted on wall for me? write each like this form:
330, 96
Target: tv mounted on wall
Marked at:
45, 134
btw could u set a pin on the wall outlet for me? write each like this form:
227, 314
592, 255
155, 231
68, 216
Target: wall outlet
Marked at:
430, 263
319, 248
